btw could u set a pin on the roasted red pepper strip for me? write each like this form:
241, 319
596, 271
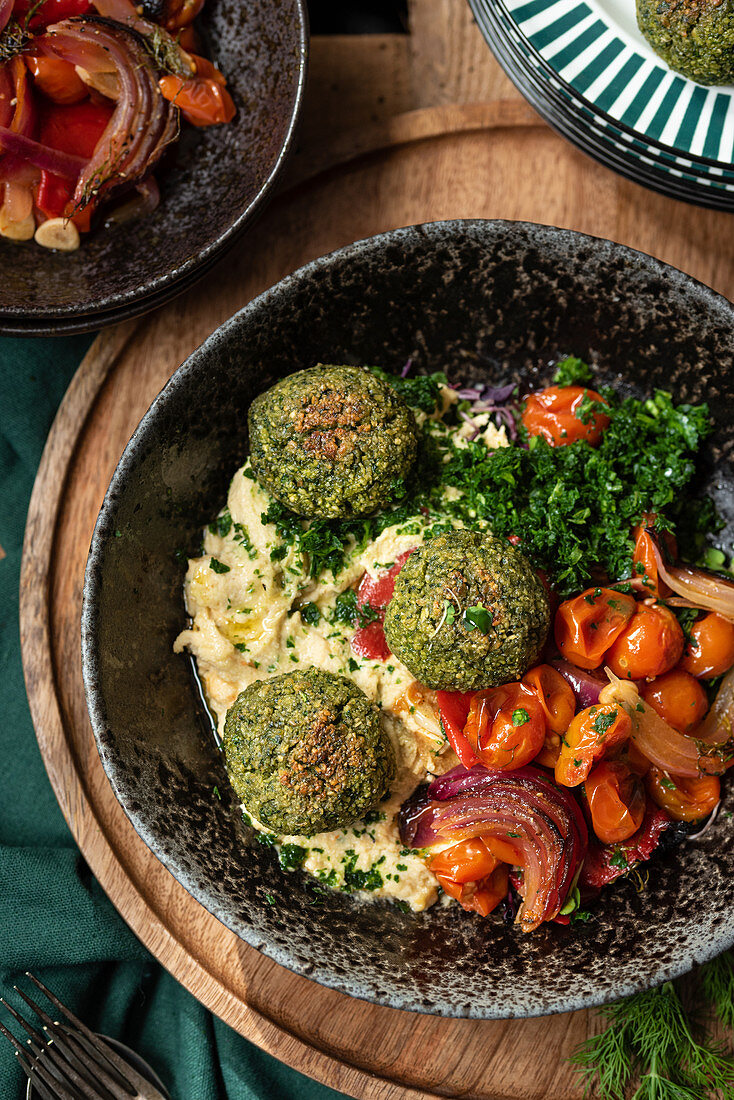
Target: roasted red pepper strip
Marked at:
453, 709
605, 863
75, 129
50, 11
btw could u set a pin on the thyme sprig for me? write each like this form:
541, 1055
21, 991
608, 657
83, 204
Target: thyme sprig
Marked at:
656, 1047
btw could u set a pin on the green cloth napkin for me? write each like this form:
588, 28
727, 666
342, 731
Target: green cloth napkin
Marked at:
55, 919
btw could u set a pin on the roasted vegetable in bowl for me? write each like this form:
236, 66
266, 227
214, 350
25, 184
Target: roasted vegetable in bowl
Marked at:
92, 96
533, 766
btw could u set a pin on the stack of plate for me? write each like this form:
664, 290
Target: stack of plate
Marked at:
586, 68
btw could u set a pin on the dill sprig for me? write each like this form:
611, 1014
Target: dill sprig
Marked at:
654, 1040
717, 986
13, 40
166, 53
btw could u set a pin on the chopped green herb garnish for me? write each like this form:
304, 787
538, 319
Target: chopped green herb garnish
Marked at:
421, 391
311, 614
291, 856
222, 525
520, 716
218, 566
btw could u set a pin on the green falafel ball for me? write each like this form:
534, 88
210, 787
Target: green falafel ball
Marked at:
694, 37
468, 612
306, 752
332, 442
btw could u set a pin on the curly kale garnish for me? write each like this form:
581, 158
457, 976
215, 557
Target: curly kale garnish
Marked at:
421, 392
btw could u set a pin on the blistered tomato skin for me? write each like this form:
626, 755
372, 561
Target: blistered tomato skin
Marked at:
587, 625
591, 735
506, 726
678, 698
616, 800
553, 413
710, 649
650, 645
683, 799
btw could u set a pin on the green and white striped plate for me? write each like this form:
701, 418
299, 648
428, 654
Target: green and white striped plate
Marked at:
595, 47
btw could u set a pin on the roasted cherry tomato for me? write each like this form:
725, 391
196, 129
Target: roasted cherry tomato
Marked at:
591, 735
650, 645
503, 850
616, 800
7, 96
57, 79
710, 649
684, 799
553, 413
479, 897
636, 761
203, 100
586, 626
469, 861
678, 698
506, 726
75, 129
558, 702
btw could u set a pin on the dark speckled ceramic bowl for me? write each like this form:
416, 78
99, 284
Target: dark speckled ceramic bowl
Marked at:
219, 180
493, 300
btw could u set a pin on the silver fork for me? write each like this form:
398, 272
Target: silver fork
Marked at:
70, 1062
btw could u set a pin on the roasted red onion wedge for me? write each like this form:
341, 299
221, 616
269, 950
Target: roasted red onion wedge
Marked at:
700, 588
42, 156
6, 10
143, 123
688, 755
543, 824
717, 728
586, 685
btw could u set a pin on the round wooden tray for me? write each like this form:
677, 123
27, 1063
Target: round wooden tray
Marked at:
492, 160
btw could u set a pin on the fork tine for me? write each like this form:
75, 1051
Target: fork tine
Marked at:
42, 1072
96, 1048
23, 1023
37, 1084
62, 1035
43, 1016
103, 1084
118, 1065
19, 1047
60, 1060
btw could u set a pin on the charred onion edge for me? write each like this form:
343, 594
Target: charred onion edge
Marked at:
143, 123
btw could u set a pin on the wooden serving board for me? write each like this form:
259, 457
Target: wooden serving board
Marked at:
493, 160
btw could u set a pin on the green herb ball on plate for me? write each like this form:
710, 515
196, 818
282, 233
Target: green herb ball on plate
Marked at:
468, 612
306, 752
332, 442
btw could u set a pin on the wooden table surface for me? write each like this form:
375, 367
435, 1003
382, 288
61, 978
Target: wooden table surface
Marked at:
357, 86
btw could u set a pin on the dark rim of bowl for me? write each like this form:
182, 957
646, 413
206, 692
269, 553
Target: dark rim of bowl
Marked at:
51, 322
145, 434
